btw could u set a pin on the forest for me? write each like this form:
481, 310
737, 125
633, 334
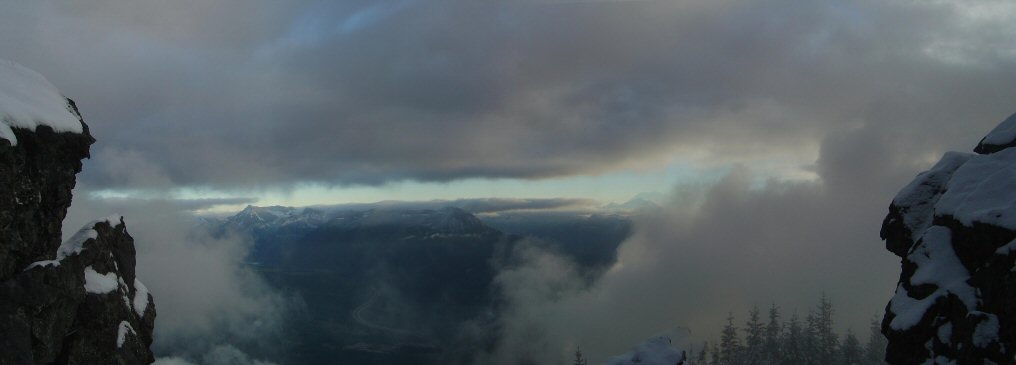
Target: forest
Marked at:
778, 339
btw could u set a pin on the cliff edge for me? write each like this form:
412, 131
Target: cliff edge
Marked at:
72, 302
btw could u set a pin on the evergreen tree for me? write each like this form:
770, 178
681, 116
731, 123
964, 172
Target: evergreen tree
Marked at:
714, 355
794, 342
793, 346
730, 345
772, 337
809, 342
579, 360
754, 333
827, 341
701, 360
874, 351
850, 352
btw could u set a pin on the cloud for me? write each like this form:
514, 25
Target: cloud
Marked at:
210, 303
224, 94
122, 203
495, 205
474, 205
219, 355
738, 243
172, 361
229, 355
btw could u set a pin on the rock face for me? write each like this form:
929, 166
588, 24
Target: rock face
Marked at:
75, 302
36, 178
954, 228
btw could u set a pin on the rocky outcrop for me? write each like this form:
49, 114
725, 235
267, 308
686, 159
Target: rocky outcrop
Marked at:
84, 307
954, 228
36, 178
72, 302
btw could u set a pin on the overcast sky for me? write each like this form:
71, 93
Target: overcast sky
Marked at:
283, 96
823, 107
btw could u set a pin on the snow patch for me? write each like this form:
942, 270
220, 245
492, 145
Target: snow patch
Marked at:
97, 283
1003, 134
981, 191
908, 311
74, 245
937, 264
655, 351
121, 333
43, 263
28, 100
986, 331
945, 333
970, 188
112, 220
123, 293
1007, 249
140, 298
917, 200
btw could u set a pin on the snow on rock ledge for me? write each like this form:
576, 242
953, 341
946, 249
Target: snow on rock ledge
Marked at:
28, 100
79, 306
1000, 138
97, 283
38, 164
954, 228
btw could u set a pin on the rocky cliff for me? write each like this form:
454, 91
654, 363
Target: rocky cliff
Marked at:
72, 302
954, 228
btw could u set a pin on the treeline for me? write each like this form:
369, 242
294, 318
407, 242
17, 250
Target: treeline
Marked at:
791, 342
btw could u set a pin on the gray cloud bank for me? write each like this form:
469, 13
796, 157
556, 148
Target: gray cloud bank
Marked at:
719, 249
171, 204
474, 205
228, 93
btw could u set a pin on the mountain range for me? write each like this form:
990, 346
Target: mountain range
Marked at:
393, 283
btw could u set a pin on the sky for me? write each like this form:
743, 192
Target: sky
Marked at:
320, 100
793, 122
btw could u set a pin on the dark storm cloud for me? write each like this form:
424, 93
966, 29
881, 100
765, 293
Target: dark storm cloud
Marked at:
267, 93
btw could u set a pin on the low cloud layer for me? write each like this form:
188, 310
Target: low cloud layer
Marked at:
172, 204
476, 206
207, 299
224, 93
219, 355
721, 249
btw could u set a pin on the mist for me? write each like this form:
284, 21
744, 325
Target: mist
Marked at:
714, 249
209, 304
